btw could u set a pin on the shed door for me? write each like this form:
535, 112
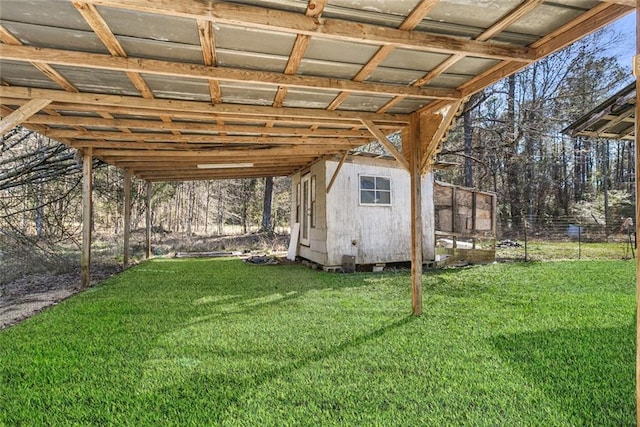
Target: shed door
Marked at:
305, 220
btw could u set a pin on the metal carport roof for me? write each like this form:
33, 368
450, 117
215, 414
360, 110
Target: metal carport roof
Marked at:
160, 87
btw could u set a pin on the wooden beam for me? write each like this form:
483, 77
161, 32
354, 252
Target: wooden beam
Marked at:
242, 153
21, 114
585, 24
87, 212
416, 216
196, 71
135, 105
208, 45
410, 22
149, 138
335, 29
418, 14
337, 171
127, 218
142, 124
509, 19
382, 138
148, 220
100, 28
111, 42
502, 24
435, 144
7, 38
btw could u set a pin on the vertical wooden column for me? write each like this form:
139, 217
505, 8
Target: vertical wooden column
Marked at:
127, 218
636, 72
148, 220
415, 166
87, 184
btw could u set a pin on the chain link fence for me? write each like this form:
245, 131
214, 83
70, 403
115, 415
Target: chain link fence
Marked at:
566, 237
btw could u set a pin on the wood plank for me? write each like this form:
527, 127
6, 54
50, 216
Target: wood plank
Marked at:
87, 187
180, 108
177, 69
154, 139
21, 114
416, 216
335, 29
209, 57
203, 153
8, 38
418, 14
435, 144
337, 171
585, 24
382, 138
127, 218
101, 28
509, 19
409, 23
142, 124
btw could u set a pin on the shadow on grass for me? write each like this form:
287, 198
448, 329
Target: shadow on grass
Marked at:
589, 372
211, 396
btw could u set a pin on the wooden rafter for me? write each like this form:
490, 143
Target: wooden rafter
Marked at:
186, 108
156, 125
382, 138
335, 29
411, 21
587, 23
314, 9
135, 66
21, 114
208, 45
499, 26
7, 38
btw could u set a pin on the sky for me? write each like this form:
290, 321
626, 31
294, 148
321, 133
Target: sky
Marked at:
627, 48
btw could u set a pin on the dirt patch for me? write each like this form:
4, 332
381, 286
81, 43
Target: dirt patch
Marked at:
24, 297
27, 296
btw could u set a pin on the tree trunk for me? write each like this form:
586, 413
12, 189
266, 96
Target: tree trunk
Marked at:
468, 146
266, 206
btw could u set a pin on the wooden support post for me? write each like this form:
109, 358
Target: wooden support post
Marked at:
416, 215
148, 220
87, 178
637, 179
22, 114
127, 218
337, 171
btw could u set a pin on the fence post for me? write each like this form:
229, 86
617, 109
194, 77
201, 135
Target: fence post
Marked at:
579, 240
525, 242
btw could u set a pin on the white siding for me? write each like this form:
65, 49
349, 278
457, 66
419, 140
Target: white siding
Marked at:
373, 234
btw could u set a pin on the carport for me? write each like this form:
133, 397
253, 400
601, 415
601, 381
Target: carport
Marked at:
194, 89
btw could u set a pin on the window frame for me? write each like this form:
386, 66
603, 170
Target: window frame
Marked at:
375, 190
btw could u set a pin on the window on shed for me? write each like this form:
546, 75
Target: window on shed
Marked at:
375, 190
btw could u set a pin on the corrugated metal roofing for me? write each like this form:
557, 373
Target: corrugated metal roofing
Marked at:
241, 72
613, 119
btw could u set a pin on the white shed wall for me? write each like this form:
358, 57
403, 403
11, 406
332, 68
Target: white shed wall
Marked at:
316, 251
375, 234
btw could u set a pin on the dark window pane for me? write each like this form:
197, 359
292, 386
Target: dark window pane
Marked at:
383, 183
367, 182
367, 196
384, 197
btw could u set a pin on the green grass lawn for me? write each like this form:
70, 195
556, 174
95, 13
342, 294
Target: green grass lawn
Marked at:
218, 342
